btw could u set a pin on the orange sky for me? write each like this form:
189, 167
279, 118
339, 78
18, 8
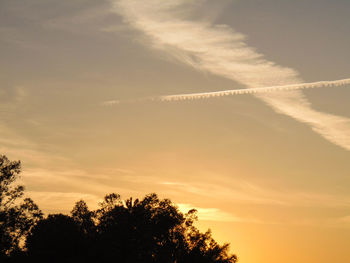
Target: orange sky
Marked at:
268, 174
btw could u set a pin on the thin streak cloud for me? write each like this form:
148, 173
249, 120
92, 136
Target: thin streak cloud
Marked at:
222, 51
215, 214
213, 94
205, 95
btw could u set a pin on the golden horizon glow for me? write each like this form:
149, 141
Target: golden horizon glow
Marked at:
267, 172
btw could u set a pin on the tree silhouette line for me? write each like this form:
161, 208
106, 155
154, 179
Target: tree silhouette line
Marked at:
150, 230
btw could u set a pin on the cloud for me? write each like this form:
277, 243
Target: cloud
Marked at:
12, 99
204, 95
213, 94
61, 201
214, 214
217, 215
345, 220
248, 193
222, 51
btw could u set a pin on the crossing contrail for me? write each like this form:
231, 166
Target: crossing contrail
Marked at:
222, 51
205, 95
233, 92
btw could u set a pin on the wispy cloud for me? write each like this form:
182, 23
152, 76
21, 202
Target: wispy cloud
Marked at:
345, 220
11, 100
214, 214
204, 95
248, 193
222, 51
218, 215
61, 201
232, 92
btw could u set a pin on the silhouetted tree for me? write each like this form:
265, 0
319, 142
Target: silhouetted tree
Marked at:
86, 222
57, 238
138, 231
84, 218
202, 248
17, 214
153, 230
150, 230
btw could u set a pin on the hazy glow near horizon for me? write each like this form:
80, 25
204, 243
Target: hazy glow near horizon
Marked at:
268, 173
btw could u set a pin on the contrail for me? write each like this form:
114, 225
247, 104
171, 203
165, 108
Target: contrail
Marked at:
233, 92
222, 51
205, 95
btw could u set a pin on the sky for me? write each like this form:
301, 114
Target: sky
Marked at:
82, 88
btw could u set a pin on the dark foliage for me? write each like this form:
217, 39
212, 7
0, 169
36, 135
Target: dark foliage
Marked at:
17, 214
57, 238
150, 230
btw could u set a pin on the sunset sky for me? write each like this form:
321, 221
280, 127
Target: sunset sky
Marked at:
80, 83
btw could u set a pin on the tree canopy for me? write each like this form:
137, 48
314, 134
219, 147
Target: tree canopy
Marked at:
17, 214
149, 230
